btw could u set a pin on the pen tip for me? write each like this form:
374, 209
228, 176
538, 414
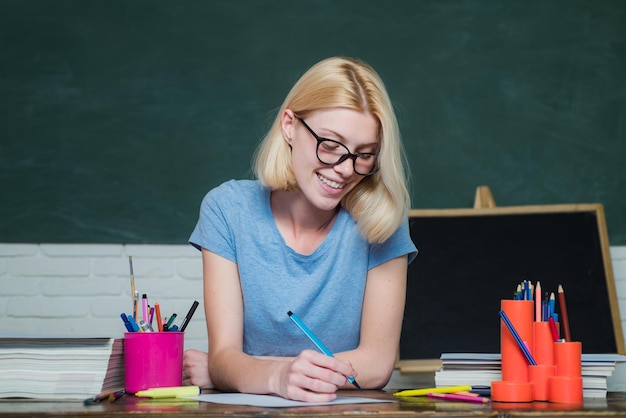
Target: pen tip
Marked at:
356, 385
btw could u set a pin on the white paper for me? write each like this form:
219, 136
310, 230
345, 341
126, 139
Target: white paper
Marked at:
275, 401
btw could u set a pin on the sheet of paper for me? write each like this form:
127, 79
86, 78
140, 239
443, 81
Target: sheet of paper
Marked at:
275, 401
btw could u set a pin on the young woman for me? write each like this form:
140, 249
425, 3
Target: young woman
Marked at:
323, 233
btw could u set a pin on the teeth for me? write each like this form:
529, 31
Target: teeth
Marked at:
330, 183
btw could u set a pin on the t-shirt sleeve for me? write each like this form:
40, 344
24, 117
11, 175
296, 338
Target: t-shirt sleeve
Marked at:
213, 230
398, 244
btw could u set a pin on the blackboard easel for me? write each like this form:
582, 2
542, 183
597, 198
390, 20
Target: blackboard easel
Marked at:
470, 259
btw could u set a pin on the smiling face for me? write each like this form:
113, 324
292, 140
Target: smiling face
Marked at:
325, 185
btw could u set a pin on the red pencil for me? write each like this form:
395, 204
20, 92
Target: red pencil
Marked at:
555, 332
564, 317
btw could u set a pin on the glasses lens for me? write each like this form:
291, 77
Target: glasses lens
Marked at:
331, 152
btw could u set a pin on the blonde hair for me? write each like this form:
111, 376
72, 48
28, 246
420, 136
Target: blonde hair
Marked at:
380, 202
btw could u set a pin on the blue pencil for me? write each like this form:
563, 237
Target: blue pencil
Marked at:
518, 339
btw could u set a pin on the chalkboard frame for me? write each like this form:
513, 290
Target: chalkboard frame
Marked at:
408, 363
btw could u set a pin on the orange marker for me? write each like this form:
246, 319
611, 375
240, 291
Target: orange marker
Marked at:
157, 312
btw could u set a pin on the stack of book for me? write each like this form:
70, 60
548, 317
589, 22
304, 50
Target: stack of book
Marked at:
60, 368
480, 369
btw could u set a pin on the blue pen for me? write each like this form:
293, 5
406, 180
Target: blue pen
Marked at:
317, 342
133, 324
127, 324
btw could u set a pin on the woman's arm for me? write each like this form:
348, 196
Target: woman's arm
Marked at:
381, 324
311, 376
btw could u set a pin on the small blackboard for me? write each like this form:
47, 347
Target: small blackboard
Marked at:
471, 259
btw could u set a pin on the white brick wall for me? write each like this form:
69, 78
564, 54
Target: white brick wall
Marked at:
80, 289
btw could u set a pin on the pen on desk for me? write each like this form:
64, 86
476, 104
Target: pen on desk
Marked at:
296, 320
455, 397
518, 339
424, 392
111, 395
194, 305
116, 395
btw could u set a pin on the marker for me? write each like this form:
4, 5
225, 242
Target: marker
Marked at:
144, 307
169, 323
170, 392
127, 324
133, 323
157, 312
454, 397
194, 305
425, 392
145, 327
317, 342
135, 303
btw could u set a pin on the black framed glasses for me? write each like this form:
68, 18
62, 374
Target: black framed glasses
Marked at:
331, 153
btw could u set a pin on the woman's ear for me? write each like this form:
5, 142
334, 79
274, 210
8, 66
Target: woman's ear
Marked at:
287, 125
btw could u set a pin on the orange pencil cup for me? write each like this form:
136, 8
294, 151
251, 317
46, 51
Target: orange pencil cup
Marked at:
515, 385
514, 363
540, 377
567, 385
543, 347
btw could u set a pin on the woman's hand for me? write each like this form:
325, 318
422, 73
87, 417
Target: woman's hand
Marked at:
196, 369
313, 377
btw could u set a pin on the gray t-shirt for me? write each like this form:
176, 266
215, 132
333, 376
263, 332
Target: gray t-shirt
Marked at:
325, 289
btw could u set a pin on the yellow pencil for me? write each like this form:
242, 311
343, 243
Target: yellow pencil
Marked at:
425, 392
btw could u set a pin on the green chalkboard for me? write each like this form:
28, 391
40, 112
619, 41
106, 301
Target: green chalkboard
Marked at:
117, 116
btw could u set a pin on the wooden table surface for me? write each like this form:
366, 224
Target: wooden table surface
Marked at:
613, 406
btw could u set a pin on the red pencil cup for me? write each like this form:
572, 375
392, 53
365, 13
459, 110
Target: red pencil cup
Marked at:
152, 360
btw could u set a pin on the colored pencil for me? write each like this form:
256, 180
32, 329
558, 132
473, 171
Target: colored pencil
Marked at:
564, 316
518, 339
553, 330
538, 314
425, 392
455, 397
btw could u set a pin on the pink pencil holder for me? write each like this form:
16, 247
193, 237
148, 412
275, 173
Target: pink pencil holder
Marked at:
153, 359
